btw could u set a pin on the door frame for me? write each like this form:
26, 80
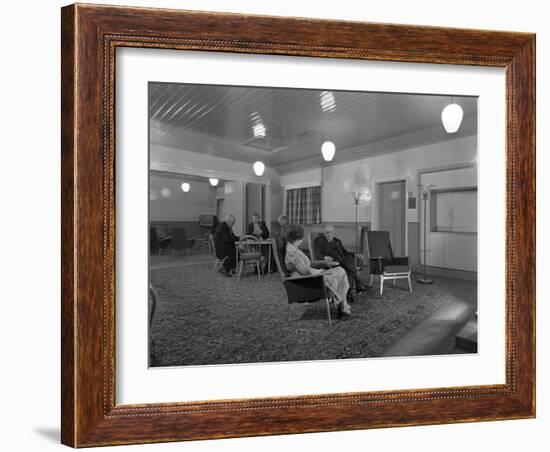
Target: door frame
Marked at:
375, 193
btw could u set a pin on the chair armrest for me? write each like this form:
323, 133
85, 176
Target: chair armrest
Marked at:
298, 277
403, 260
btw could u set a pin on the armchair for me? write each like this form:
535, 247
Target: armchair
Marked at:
301, 289
180, 240
382, 261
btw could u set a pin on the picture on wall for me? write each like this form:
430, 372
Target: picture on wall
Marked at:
292, 224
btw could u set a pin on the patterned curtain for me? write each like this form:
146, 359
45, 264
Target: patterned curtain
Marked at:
303, 205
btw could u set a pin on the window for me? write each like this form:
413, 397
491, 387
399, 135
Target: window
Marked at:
303, 205
454, 210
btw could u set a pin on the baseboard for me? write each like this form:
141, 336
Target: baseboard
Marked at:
445, 272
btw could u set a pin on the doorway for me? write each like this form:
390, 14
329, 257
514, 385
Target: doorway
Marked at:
391, 213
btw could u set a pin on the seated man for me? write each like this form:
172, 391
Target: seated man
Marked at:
330, 248
259, 229
283, 227
224, 242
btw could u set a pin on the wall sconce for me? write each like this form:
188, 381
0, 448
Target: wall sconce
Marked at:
185, 187
213, 182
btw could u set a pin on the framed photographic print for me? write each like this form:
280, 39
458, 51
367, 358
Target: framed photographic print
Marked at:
281, 225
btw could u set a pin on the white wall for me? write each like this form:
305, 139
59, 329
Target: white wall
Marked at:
167, 201
32, 357
185, 161
341, 179
234, 204
448, 249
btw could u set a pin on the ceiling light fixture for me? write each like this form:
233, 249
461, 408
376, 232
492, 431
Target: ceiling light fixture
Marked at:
185, 187
258, 127
451, 116
213, 182
328, 150
327, 101
259, 168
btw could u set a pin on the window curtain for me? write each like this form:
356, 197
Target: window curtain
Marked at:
303, 205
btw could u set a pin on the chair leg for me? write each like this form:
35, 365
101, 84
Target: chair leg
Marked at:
394, 282
371, 279
240, 270
409, 279
381, 284
328, 312
214, 268
259, 271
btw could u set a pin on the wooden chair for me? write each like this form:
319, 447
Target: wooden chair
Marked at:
382, 261
302, 289
217, 262
249, 252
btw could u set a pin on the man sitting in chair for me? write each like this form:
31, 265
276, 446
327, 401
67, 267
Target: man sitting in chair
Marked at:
224, 242
258, 229
331, 249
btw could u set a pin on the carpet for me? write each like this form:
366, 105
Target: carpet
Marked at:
203, 319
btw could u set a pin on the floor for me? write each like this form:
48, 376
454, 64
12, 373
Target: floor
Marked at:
435, 334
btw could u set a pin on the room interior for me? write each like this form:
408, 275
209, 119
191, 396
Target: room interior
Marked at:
393, 166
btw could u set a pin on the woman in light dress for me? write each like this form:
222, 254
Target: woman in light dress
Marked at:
297, 263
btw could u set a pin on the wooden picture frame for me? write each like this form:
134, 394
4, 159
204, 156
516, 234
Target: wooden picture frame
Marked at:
90, 36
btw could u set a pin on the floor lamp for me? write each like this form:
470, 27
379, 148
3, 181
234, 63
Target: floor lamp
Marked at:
357, 198
426, 191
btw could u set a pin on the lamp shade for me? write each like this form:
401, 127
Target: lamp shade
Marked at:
452, 117
259, 168
185, 187
328, 149
213, 182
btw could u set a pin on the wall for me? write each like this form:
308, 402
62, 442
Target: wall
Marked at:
340, 180
168, 202
234, 204
185, 161
447, 249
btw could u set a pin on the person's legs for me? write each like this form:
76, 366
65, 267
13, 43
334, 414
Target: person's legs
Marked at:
230, 263
337, 281
349, 265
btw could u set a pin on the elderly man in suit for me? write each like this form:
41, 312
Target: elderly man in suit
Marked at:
224, 241
257, 227
331, 249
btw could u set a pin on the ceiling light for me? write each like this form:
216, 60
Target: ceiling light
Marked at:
185, 187
327, 101
452, 117
213, 182
258, 127
328, 149
258, 130
259, 168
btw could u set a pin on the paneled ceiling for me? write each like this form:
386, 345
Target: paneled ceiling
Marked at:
285, 126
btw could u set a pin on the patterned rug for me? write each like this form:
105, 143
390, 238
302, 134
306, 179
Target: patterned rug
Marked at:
203, 319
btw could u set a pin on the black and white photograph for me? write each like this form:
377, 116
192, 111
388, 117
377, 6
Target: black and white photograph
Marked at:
292, 224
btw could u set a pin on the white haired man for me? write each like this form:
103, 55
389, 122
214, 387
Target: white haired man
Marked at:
224, 241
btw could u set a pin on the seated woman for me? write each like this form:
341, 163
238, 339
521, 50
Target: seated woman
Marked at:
297, 263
